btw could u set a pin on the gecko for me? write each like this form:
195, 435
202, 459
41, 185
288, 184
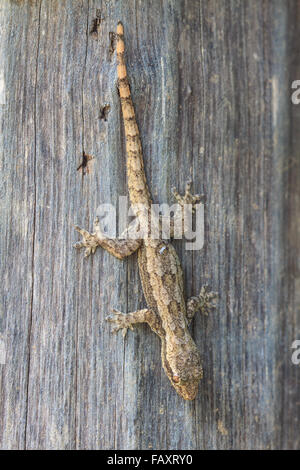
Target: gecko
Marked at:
167, 313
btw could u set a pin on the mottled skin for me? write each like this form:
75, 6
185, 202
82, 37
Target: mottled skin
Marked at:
167, 314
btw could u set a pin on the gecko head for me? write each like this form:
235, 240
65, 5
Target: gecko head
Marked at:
185, 373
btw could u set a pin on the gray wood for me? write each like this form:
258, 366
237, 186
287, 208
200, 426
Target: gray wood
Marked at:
211, 83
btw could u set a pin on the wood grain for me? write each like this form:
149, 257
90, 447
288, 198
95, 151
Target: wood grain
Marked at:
211, 84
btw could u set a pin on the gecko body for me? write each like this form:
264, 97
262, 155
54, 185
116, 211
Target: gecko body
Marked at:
168, 313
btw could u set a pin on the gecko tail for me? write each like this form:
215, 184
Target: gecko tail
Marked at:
121, 69
137, 185
120, 28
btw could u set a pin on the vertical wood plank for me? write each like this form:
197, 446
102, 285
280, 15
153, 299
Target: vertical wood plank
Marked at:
54, 342
19, 33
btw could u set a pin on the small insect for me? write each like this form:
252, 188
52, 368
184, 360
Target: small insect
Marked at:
104, 110
112, 43
96, 24
84, 166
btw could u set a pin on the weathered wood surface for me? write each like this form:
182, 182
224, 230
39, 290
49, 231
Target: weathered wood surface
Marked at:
211, 83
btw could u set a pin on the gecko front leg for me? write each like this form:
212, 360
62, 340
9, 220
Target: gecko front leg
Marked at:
120, 248
89, 241
123, 321
202, 302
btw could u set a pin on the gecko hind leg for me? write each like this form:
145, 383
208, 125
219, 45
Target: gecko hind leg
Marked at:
203, 302
188, 197
120, 248
123, 321
187, 202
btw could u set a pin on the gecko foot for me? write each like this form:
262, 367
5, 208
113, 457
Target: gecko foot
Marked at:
121, 321
188, 198
207, 300
90, 241
202, 303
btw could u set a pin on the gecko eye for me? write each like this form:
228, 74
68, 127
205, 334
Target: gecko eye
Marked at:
176, 379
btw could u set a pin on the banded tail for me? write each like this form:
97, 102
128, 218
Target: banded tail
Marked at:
137, 184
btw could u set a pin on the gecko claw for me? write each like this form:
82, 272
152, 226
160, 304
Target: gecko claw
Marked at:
207, 300
121, 322
188, 197
89, 241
